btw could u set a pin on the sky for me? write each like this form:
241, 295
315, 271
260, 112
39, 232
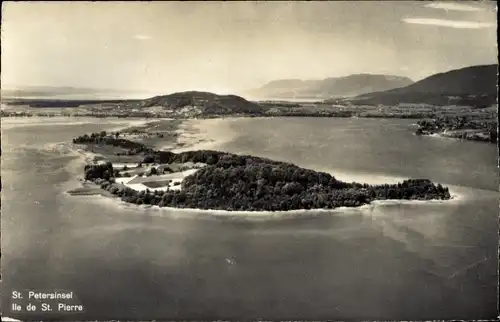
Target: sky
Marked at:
226, 47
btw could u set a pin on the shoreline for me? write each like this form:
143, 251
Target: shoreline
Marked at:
206, 145
444, 135
89, 189
14, 121
191, 134
246, 215
82, 157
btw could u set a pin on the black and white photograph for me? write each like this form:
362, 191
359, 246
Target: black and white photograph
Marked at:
249, 161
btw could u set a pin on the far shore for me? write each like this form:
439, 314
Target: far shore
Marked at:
453, 136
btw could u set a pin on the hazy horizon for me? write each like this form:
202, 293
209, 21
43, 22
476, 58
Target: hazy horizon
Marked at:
232, 46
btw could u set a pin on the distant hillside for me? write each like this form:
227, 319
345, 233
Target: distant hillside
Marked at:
351, 85
29, 91
476, 86
203, 103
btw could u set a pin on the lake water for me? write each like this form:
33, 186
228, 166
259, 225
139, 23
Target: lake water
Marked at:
412, 261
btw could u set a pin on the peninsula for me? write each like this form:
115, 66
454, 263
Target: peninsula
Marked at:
207, 179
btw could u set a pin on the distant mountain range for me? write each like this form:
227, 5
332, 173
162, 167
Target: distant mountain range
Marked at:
65, 92
351, 85
475, 86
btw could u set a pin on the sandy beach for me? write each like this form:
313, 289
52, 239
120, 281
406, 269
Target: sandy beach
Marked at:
207, 134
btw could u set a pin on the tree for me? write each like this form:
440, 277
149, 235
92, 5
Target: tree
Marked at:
292, 188
106, 175
148, 159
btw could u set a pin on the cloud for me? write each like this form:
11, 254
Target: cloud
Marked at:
142, 37
453, 6
461, 24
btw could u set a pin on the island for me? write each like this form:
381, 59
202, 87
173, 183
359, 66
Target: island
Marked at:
207, 179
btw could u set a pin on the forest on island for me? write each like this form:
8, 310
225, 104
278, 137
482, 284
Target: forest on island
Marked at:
244, 182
